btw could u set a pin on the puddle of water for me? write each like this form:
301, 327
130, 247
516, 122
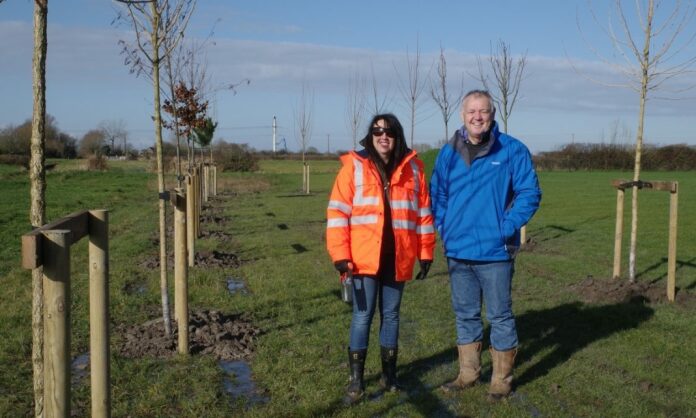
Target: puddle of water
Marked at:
79, 368
236, 286
238, 382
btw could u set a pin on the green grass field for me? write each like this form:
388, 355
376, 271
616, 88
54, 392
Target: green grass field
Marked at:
576, 359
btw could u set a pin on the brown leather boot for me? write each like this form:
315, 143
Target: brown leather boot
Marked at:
469, 367
501, 378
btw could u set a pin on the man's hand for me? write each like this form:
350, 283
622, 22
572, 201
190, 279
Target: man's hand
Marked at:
343, 266
424, 269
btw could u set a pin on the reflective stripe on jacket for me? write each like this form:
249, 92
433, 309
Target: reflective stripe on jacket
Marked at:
355, 217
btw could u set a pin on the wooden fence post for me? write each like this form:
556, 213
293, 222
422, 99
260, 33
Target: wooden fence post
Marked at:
523, 235
56, 283
190, 232
206, 182
214, 180
199, 200
672, 251
618, 234
99, 312
180, 269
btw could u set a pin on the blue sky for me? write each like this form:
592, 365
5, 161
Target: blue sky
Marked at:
279, 45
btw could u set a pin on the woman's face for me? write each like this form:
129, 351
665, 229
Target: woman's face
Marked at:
383, 139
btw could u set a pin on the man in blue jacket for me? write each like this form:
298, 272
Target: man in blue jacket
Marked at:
483, 190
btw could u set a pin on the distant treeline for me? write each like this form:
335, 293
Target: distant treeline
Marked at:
617, 157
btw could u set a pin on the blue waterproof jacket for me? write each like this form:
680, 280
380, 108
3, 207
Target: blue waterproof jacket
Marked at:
480, 208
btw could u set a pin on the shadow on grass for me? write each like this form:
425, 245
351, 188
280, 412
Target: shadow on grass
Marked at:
568, 328
550, 232
690, 264
564, 329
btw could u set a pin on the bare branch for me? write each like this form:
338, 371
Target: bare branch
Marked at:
440, 95
663, 62
412, 87
508, 74
355, 104
379, 101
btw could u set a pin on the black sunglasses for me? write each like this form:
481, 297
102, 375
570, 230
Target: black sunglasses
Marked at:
378, 131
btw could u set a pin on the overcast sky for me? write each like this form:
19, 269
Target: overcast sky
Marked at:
279, 45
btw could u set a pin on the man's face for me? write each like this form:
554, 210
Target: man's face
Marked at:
477, 116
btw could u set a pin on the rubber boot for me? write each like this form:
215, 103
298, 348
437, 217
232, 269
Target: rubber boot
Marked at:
388, 380
356, 386
469, 367
501, 379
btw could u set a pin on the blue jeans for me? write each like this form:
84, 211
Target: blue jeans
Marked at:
366, 291
474, 282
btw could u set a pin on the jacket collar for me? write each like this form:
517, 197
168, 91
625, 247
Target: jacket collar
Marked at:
460, 139
464, 135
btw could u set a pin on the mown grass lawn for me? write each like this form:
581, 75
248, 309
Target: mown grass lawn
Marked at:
576, 359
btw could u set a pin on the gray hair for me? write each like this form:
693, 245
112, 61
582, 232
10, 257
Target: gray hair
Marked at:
479, 93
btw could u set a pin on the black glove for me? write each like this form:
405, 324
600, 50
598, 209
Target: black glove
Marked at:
343, 266
424, 269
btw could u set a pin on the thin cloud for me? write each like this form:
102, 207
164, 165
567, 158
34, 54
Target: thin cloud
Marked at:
88, 82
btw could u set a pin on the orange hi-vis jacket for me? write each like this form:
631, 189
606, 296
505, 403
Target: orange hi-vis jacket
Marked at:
355, 215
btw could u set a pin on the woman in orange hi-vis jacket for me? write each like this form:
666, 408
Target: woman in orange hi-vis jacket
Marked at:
378, 224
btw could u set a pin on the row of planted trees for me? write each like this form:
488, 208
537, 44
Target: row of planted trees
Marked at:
159, 27
46, 251
178, 73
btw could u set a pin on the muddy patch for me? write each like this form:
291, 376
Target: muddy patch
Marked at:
134, 287
155, 239
213, 219
153, 262
201, 259
226, 337
216, 259
218, 235
595, 290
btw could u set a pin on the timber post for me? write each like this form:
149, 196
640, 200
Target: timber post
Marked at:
672, 250
56, 282
206, 182
180, 269
190, 232
618, 232
523, 236
99, 312
214, 180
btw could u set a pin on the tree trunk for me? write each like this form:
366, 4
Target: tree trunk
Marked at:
413, 121
645, 62
177, 134
37, 177
160, 172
